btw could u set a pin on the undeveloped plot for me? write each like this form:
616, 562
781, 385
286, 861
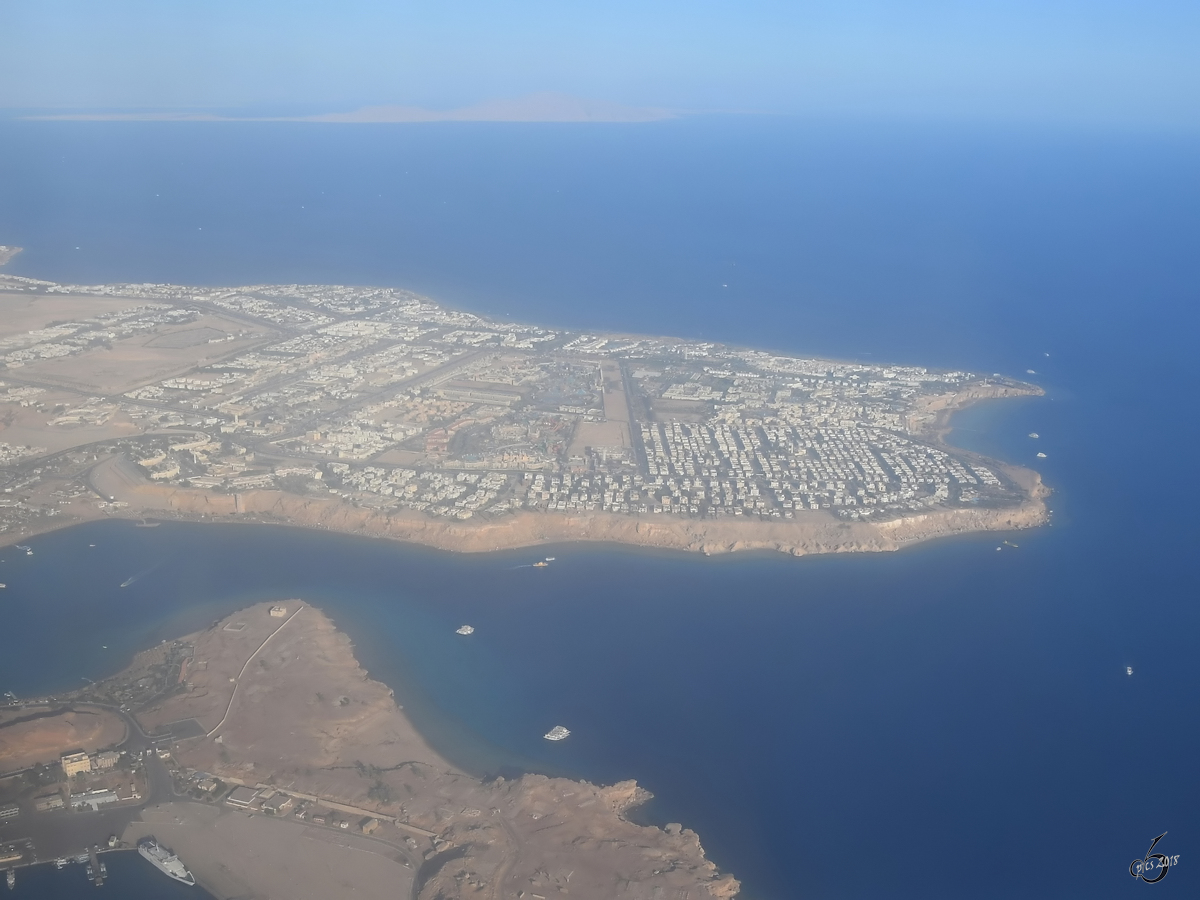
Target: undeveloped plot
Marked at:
20, 313
26, 740
143, 359
30, 427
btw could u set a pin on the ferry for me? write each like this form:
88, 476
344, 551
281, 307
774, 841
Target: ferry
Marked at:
164, 860
557, 733
465, 629
541, 564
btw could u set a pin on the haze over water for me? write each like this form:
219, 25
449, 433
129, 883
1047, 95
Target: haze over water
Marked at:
948, 721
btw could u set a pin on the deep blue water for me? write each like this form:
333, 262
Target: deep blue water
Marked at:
947, 721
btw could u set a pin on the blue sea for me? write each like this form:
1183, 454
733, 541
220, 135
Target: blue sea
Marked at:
948, 721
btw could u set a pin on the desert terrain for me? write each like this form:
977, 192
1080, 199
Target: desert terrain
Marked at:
282, 705
28, 738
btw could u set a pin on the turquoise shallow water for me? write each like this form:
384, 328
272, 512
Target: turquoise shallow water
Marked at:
947, 721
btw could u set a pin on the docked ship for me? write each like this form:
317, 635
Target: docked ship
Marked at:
557, 733
164, 860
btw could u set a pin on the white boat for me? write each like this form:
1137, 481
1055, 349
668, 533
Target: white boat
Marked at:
549, 559
1129, 670
164, 860
465, 629
557, 733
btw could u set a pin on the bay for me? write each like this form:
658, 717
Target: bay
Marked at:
945, 721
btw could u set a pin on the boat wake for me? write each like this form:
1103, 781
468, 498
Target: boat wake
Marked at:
132, 578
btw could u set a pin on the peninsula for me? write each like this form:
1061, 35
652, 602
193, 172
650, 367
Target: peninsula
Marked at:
377, 411
262, 754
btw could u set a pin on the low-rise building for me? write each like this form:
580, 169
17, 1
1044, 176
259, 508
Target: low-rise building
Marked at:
279, 804
242, 797
94, 799
106, 760
47, 803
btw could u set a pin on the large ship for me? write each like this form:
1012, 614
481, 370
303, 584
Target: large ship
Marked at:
164, 860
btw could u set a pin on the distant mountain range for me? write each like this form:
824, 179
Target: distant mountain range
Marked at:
546, 106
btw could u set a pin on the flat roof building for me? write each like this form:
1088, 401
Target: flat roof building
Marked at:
74, 763
242, 797
106, 760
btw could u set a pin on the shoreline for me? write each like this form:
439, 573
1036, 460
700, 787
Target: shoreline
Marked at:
307, 724
816, 533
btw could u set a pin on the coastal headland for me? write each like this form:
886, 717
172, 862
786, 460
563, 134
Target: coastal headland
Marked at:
379, 412
289, 772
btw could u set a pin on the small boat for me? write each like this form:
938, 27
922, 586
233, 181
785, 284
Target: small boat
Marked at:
557, 733
549, 559
1034, 435
465, 629
11, 877
148, 524
1041, 456
128, 581
1129, 670
2, 585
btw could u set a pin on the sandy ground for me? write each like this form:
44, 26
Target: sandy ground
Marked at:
44, 740
138, 360
303, 705
305, 719
27, 312
30, 427
233, 854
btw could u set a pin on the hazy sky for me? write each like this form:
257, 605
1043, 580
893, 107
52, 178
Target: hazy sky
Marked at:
1092, 60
